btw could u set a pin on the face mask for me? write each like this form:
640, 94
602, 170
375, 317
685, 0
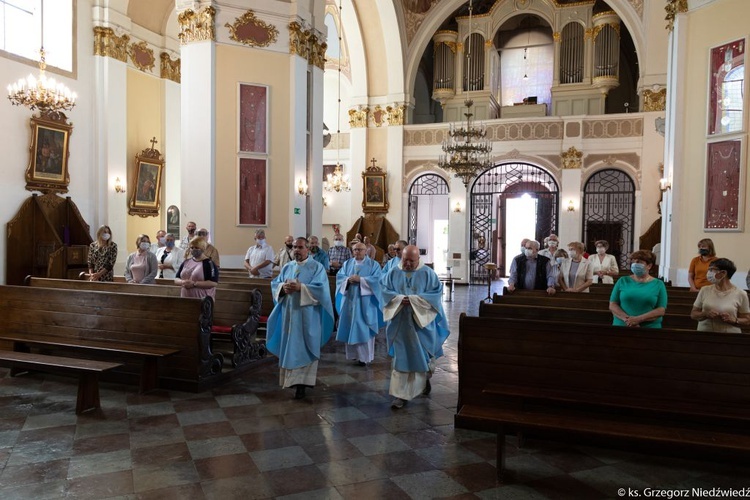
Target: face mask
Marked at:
338, 243
523, 249
528, 252
170, 244
601, 250
573, 254
558, 260
162, 241
196, 252
106, 236
552, 243
145, 245
638, 269
711, 276
289, 245
703, 251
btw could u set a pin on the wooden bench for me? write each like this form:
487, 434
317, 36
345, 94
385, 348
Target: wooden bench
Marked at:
87, 371
118, 326
575, 300
668, 389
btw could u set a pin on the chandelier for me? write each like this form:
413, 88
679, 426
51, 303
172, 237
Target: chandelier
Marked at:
44, 94
337, 181
467, 152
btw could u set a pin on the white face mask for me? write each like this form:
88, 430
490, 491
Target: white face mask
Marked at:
106, 236
573, 254
711, 276
552, 243
558, 260
601, 250
163, 240
338, 243
529, 252
260, 241
145, 245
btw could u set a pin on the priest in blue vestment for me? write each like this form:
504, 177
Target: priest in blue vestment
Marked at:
358, 305
302, 319
417, 326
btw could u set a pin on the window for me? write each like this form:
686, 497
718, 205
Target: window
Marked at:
20, 31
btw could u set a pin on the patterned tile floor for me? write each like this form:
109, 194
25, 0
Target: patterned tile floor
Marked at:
250, 439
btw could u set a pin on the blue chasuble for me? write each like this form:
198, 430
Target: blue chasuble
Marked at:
360, 316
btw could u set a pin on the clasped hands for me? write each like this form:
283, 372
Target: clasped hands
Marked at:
354, 278
188, 284
723, 316
291, 286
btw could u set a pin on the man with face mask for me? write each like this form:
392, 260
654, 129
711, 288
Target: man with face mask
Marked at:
318, 254
185, 241
259, 257
552, 243
417, 326
302, 319
161, 240
338, 253
285, 253
211, 251
531, 271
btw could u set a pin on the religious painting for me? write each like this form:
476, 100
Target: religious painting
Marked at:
173, 221
726, 101
48, 155
147, 178
374, 190
253, 116
724, 177
253, 192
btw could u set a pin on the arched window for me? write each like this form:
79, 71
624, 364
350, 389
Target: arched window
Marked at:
428, 218
609, 212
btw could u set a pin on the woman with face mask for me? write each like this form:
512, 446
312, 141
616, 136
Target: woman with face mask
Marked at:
603, 264
576, 273
102, 256
557, 259
721, 306
699, 265
169, 258
141, 266
639, 299
197, 275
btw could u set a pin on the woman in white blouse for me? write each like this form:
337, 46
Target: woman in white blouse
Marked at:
721, 306
603, 264
576, 272
169, 258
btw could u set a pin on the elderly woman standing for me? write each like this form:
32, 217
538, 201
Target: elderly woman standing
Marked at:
721, 307
169, 258
198, 275
604, 265
639, 299
141, 266
699, 265
576, 272
102, 256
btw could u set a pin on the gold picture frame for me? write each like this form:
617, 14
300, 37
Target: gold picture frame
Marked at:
374, 190
145, 198
49, 152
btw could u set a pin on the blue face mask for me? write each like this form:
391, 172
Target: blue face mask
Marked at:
638, 269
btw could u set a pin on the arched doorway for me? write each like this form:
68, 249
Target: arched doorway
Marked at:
428, 218
609, 212
509, 202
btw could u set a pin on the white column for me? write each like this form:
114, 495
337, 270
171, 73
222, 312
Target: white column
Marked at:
110, 152
459, 229
297, 143
395, 168
316, 171
358, 164
570, 222
171, 148
198, 142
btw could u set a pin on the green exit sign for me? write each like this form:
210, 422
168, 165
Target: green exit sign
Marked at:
297, 211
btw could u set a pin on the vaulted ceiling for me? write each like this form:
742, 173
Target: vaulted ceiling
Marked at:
151, 14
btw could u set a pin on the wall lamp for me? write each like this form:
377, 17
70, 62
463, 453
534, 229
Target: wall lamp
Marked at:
457, 207
571, 206
302, 187
325, 201
119, 188
664, 184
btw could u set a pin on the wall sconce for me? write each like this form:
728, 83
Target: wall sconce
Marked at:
571, 206
302, 187
664, 184
457, 207
325, 201
119, 188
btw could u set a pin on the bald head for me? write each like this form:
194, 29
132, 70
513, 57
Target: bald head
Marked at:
410, 258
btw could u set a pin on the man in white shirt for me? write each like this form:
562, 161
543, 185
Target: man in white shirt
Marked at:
285, 254
259, 257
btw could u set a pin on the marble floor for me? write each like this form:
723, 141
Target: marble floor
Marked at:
250, 439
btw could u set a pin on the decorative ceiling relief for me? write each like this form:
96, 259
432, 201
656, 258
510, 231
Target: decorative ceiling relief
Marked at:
107, 44
415, 12
141, 56
249, 30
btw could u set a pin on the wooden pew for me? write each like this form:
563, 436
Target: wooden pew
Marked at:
662, 388
118, 326
87, 371
236, 313
574, 301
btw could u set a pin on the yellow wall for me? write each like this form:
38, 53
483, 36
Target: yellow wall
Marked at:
144, 122
247, 65
713, 25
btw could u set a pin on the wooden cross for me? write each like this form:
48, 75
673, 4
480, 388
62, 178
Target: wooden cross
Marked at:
153, 141
373, 161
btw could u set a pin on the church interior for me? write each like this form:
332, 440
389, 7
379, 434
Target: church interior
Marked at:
617, 120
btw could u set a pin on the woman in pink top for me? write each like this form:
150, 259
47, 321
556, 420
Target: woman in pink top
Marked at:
141, 266
198, 275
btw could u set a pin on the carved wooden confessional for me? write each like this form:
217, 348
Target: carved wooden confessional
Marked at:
47, 237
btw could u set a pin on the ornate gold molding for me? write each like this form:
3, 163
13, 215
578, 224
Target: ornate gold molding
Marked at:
379, 116
170, 69
318, 53
451, 46
395, 114
460, 46
358, 117
107, 44
572, 158
588, 34
249, 30
488, 43
597, 29
673, 8
141, 56
197, 26
655, 100
557, 36
307, 45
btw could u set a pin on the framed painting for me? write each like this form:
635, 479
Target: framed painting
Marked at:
48, 155
726, 101
253, 118
374, 190
147, 179
252, 198
724, 198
